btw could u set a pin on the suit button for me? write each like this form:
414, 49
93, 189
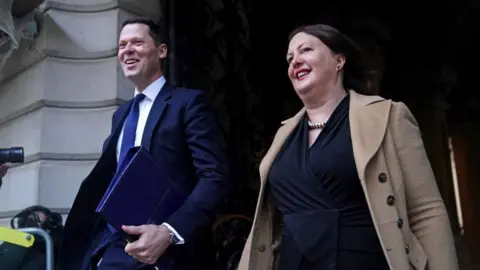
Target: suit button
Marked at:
390, 200
382, 177
400, 223
262, 248
407, 249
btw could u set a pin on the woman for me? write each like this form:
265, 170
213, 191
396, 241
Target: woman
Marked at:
346, 183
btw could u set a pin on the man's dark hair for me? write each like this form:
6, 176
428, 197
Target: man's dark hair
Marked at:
156, 30
53, 225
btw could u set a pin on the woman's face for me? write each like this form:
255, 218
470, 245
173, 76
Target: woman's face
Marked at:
311, 64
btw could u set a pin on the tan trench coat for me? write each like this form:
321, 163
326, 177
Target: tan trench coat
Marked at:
408, 213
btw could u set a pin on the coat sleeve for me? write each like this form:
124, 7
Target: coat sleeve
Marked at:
427, 214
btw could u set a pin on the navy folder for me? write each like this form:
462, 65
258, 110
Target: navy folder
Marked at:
141, 192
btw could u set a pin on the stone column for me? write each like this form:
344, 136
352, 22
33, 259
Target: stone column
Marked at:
57, 97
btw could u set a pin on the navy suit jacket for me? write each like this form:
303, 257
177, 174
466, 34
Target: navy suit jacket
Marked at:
181, 131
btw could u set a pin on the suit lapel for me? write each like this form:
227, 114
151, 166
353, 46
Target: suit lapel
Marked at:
158, 107
117, 122
368, 124
122, 113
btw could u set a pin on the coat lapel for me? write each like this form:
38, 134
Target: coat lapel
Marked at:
368, 123
265, 165
283, 133
156, 112
368, 117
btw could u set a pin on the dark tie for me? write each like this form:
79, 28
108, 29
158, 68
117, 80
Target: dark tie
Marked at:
130, 127
128, 140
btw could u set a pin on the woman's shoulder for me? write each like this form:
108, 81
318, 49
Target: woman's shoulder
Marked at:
402, 114
362, 99
370, 99
397, 107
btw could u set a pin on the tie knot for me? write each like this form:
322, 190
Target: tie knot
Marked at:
136, 101
139, 97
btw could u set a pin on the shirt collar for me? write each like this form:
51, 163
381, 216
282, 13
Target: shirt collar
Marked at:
152, 90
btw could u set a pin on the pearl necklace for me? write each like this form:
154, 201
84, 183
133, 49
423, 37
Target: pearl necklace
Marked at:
316, 125
321, 125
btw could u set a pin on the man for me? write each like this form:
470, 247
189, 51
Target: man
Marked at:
34, 258
177, 126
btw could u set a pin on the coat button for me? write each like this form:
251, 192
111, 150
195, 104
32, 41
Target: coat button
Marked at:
382, 177
400, 223
407, 249
262, 248
390, 200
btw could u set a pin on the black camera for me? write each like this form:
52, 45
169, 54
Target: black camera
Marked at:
11, 155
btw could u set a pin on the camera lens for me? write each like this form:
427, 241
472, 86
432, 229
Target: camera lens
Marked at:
11, 155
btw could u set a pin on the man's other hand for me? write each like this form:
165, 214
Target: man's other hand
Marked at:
3, 170
153, 241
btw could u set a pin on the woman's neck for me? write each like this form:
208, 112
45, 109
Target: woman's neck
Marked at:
321, 107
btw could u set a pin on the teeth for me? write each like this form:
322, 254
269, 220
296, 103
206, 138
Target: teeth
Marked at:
130, 61
301, 74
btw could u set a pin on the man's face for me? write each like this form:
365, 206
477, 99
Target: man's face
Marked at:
41, 216
35, 219
138, 54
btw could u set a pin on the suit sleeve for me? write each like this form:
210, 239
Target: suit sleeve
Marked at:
104, 146
427, 214
203, 140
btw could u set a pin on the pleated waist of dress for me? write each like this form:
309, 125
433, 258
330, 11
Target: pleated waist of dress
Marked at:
316, 233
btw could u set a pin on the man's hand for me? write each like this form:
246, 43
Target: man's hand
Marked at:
153, 241
3, 170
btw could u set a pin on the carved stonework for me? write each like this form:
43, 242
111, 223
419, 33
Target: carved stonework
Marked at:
18, 22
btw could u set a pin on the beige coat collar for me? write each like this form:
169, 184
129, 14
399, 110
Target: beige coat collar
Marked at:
368, 117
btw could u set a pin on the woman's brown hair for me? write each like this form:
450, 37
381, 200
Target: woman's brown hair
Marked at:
357, 74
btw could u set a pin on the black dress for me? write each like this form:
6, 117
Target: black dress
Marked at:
327, 223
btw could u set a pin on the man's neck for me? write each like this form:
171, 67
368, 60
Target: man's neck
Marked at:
141, 85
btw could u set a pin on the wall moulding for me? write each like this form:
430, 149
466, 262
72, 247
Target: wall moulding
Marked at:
63, 30
67, 36
147, 8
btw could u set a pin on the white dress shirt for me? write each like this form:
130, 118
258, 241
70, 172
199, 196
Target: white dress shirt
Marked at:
151, 92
